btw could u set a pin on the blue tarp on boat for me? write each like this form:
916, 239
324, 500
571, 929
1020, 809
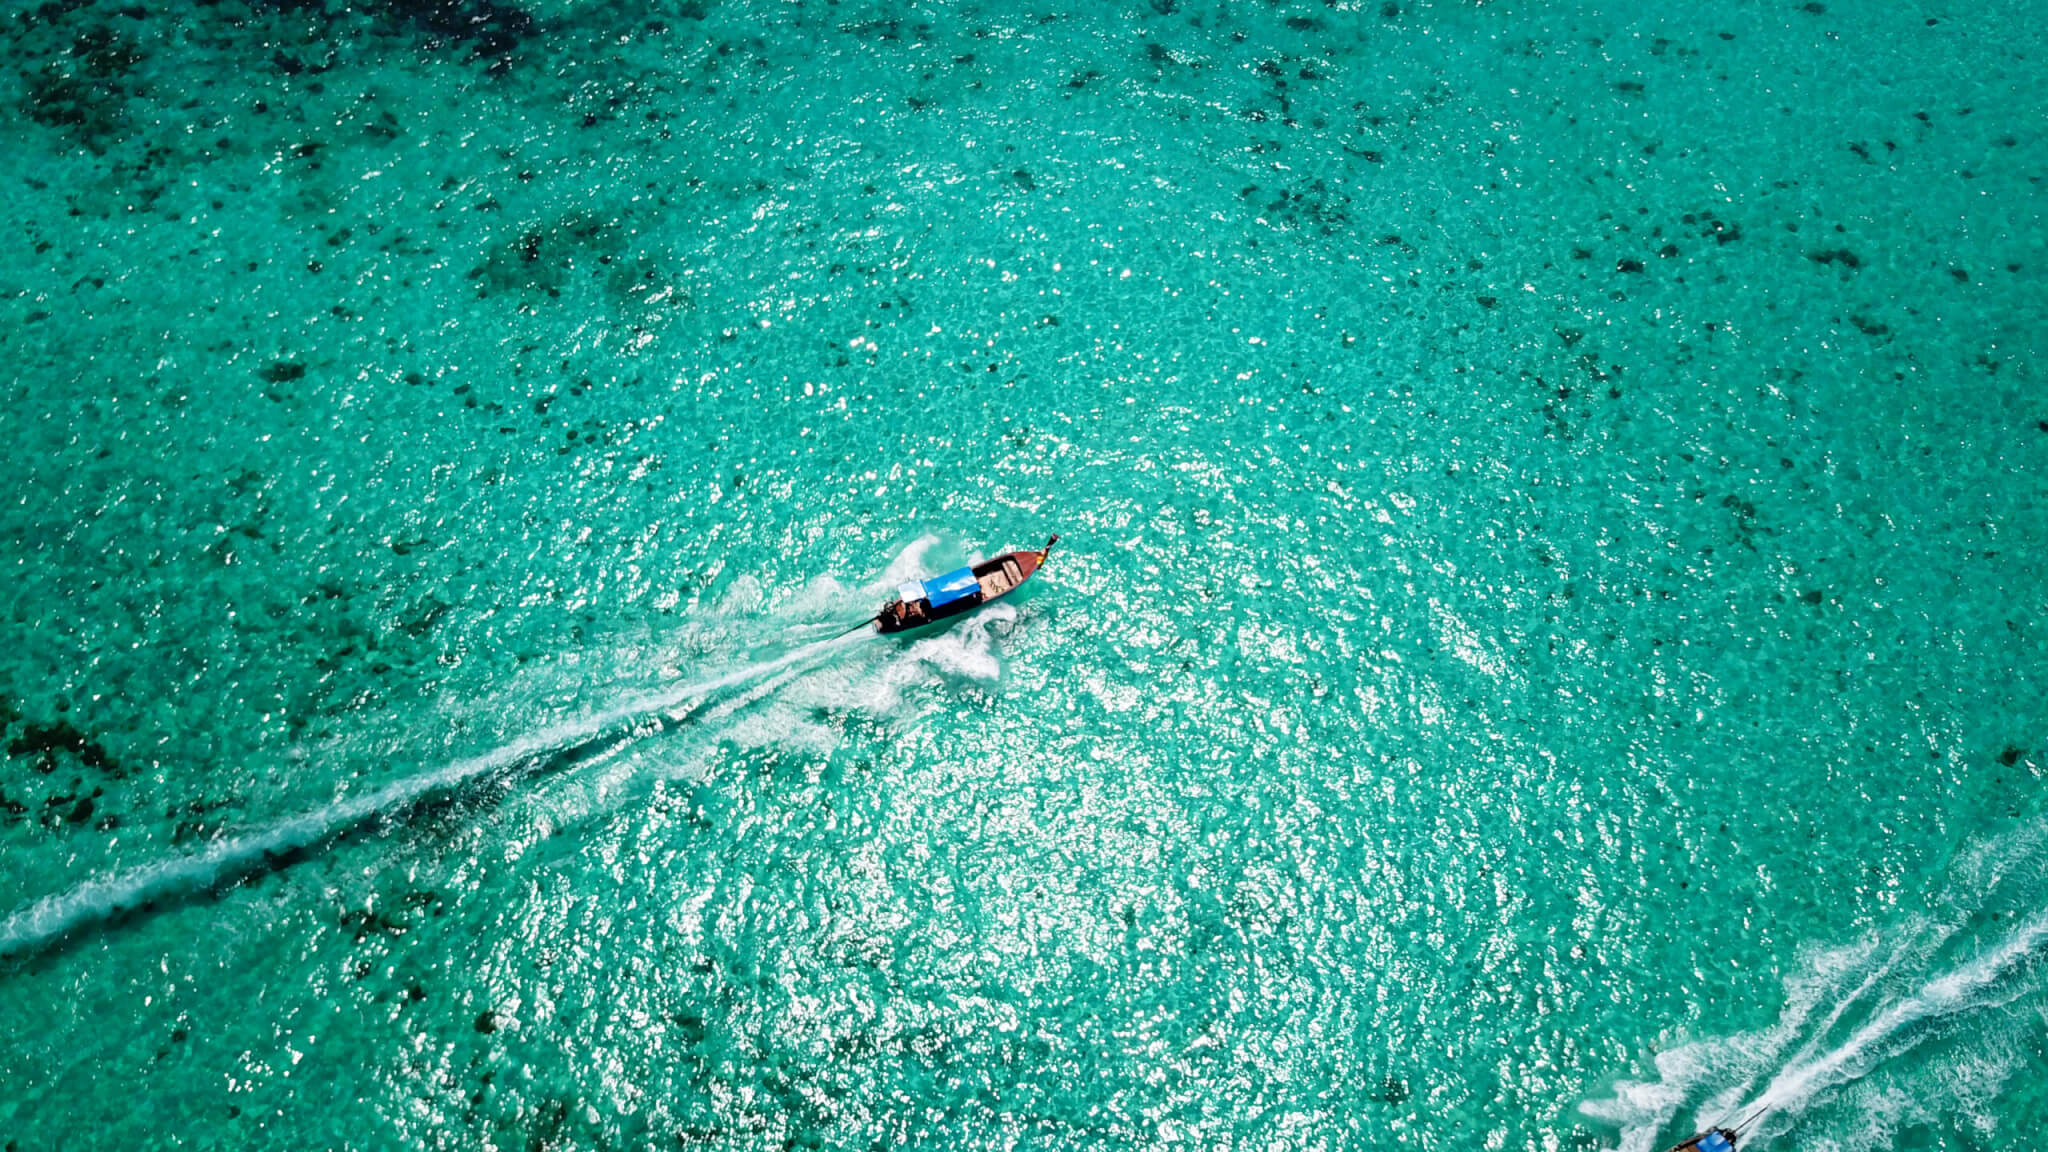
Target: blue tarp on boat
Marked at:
1715, 1142
943, 590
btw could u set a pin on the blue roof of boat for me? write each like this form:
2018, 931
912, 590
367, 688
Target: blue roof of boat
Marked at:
1715, 1142
956, 585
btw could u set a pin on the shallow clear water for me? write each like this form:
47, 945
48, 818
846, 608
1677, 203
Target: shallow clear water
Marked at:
1544, 650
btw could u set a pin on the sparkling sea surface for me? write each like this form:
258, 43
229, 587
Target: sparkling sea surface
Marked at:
1548, 648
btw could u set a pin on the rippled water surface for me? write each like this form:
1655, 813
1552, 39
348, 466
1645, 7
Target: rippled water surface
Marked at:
1545, 650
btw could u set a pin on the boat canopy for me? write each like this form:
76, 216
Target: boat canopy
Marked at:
955, 585
1715, 1142
910, 591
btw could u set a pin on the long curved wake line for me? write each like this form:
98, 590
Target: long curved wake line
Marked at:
53, 917
1853, 1010
1972, 985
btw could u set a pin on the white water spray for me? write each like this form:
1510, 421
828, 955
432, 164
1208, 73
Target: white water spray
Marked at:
963, 651
1851, 1011
52, 917
1979, 983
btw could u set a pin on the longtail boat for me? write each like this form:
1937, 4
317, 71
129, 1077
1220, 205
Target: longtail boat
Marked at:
1712, 1140
921, 602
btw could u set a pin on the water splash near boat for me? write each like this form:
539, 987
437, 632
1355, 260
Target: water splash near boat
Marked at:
1867, 1027
765, 699
53, 918
1981, 983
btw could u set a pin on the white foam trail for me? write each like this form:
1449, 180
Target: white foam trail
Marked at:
51, 917
1970, 986
1851, 1010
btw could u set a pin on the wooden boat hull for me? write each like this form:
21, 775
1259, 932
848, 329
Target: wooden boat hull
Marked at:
995, 578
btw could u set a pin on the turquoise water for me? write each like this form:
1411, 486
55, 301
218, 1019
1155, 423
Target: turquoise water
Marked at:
1545, 650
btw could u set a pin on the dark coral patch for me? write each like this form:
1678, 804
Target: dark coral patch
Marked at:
92, 112
44, 741
490, 29
83, 89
